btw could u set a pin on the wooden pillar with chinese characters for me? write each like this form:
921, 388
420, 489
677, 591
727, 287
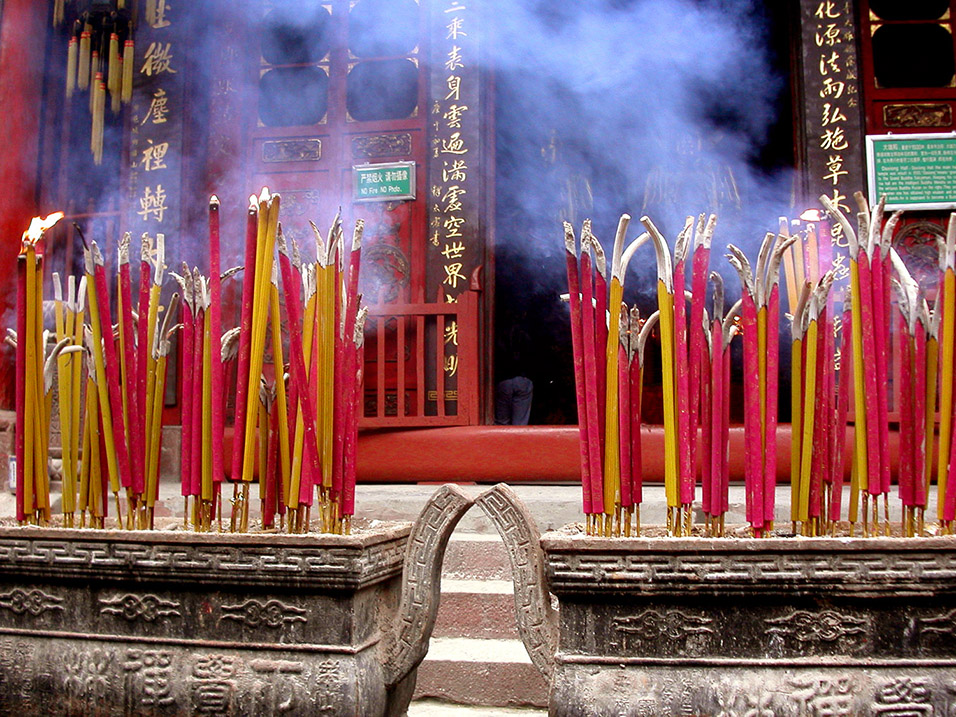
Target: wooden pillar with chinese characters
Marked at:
457, 231
831, 137
154, 197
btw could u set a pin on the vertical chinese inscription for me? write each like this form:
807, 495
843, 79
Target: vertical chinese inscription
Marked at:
156, 129
833, 125
454, 245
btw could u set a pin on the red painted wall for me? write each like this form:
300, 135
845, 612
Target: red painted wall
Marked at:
22, 39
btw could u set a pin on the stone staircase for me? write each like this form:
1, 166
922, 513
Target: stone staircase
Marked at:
476, 656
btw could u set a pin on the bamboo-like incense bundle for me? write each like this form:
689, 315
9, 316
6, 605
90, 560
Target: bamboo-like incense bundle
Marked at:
127, 86
72, 57
267, 229
83, 61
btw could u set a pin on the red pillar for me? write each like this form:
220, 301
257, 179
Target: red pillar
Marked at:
22, 42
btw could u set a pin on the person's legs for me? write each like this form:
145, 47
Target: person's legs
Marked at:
521, 393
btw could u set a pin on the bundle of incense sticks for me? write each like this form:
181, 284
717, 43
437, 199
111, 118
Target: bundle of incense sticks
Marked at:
33, 415
837, 343
682, 355
916, 330
715, 411
325, 327
870, 281
100, 59
610, 435
112, 444
759, 318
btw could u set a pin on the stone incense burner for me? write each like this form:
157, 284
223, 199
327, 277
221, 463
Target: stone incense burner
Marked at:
755, 628
175, 623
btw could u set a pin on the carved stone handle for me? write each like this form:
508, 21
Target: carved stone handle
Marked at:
537, 620
407, 645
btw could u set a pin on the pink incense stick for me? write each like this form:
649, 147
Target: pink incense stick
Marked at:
245, 340
595, 472
186, 391
135, 418
143, 348
819, 455
698, 364
577, 350
874, 481
637, 456
843, 409
269, 479
706, 421
685, 464
338, 398
600, 340
196, 413
21, 378
906, 400
722, 448
715, 426
215, 339
770, 428
624, 424
357, 360
923, 434
112, 369
880, 284
753, 474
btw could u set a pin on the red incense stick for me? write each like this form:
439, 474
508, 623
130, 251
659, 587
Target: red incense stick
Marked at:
922, 443
753, 473
135, 418
600, 338
595, 471
186, 391
112, 368
843, 409
770, 429
624, 405
196, 413
245, 338
215, 339
874, 484
906, 400
637, 457
684, 463
577, 351
297, 362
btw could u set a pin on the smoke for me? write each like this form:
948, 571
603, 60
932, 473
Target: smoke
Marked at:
663, 107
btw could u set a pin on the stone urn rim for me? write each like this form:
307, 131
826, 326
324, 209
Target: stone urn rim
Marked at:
556, 541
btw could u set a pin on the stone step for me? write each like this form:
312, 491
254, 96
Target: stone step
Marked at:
441, 708
482, 609
476, 556
489, 673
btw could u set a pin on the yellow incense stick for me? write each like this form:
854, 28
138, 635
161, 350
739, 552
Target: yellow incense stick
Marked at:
945, 386
267, 228
612, 451
809, 409
281, 405
665, 301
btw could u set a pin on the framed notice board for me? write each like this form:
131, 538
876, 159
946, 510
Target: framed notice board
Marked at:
914, 171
